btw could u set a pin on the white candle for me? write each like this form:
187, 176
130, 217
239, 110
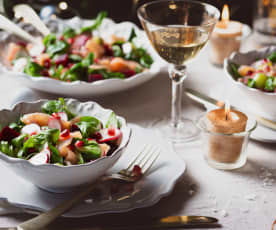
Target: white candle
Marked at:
226, 149
225, 38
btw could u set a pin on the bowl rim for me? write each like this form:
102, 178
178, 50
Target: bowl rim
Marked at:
154, 68
229, 60
14, 160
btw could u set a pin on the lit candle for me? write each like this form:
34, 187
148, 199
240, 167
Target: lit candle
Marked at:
225, 148
225, 38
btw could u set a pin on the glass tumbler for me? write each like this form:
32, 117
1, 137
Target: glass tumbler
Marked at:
225, 151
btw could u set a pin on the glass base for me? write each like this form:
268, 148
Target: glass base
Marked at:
185, 131
226, 166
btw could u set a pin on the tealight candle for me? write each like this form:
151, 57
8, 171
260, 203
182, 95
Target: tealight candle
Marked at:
226, 38
224, 148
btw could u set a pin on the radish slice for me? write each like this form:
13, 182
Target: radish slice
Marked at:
40, 158
31, 129
110, 134
54, 123
60, 115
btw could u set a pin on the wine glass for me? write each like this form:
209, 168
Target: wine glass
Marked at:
178, 30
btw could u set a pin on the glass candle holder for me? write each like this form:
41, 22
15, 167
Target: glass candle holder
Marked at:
221, 47
225, 151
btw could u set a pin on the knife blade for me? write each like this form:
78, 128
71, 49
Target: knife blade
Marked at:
165, 223
204, 99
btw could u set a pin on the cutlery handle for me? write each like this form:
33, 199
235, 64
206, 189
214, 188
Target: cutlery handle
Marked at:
10, 26
30, 16
48, 217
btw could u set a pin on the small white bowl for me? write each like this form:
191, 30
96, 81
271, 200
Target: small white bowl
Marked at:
262, 103
63, 178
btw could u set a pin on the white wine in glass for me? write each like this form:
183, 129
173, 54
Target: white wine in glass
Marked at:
178, 30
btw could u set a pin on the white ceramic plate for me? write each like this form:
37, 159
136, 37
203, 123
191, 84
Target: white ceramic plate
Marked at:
81, 88
158, 183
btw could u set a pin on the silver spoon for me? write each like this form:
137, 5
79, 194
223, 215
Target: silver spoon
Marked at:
10, 26
30, 16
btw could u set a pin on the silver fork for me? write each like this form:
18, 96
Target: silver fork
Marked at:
144, 160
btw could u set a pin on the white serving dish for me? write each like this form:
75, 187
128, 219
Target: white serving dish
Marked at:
81, 88
259, 102
61, 178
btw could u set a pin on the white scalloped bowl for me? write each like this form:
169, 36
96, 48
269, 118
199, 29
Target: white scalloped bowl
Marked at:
260, 102
81, 88
63, 178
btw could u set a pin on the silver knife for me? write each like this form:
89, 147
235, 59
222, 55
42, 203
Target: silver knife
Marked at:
204, 99
162, 223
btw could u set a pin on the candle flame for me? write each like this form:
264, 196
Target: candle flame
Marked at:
227, 110
225, 15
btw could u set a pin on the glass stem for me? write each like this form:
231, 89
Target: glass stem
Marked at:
177, 74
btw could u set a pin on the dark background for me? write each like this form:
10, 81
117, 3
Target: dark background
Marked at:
121, 10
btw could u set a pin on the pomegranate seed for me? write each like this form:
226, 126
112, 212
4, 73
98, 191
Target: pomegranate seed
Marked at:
47, 63
33, 133
61, 38
79, 144
74, 128
62, 60
107, 50
267, 69
8, 134
96, 60
129, 73
137, 171
45, 73
65, 133
70, 40
265, 60
71, 147
111, 131
95, 77
249, 72
90, 139
97, 136
21, 43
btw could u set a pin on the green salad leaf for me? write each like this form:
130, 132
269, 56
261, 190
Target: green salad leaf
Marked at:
49, 39
69, 33
55, 155
106, 74
117, 51
97, 22
87, 61
234, 69
88, 125
6, 148
272, 57
113, 121
90, 150
55, 106
18, 141
269, 86
132, 35
33, 69
59, 47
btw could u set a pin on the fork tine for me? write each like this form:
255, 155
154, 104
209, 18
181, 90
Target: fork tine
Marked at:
146, 158
151, 163
132, 163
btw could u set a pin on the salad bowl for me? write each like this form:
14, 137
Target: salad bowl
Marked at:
82, 88
258, 101
54, 177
